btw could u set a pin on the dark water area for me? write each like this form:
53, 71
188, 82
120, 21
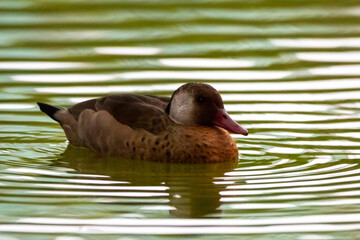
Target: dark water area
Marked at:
289, 71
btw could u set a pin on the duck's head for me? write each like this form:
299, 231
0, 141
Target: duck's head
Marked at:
198, 104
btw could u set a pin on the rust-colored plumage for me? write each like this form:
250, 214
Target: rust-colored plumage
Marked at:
188, 127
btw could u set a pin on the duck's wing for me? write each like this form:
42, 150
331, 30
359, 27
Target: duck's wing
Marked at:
135, 111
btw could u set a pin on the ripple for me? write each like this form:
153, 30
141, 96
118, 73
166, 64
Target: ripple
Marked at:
206, 63
63, 78
274, 173
206, 75
312, 189
345, 70
140, 51
48, 172
279, 107
293, 184
12, 106
314, 219
106, 89
290, 97
69, 186
318, 223
303, 178
317, 42
96, 181
329, 56
278, 86
40, 65
98, 194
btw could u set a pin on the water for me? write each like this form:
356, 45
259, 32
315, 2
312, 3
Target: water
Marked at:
287, 70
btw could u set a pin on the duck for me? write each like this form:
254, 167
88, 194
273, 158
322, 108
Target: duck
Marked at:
191, 126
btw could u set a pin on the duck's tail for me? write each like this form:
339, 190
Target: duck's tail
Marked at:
66, 120
49, 110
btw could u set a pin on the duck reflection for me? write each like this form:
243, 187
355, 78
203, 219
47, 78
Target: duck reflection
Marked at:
191, 190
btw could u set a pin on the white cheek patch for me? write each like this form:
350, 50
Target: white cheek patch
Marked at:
181, 109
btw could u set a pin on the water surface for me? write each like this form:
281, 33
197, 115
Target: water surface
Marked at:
287, 70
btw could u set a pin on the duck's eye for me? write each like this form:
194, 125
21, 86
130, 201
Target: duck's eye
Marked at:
200, 99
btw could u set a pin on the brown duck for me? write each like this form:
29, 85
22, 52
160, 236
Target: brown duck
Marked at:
191, 126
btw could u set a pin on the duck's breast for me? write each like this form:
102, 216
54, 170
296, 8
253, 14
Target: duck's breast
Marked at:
188, 145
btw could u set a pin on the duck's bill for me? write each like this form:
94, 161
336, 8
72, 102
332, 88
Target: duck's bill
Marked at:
223, 120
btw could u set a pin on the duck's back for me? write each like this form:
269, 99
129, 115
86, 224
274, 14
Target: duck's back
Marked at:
135, 111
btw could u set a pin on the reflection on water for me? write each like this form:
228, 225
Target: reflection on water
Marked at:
288, 72
184, 188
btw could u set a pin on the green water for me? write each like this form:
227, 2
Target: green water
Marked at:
287, 70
